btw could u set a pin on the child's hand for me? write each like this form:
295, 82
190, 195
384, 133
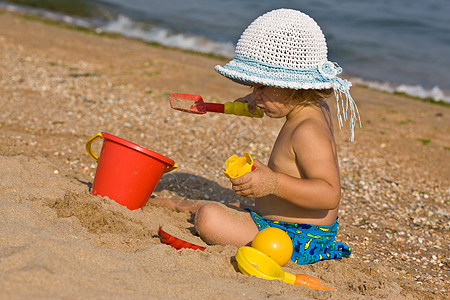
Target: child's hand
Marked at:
251, 103
258, 183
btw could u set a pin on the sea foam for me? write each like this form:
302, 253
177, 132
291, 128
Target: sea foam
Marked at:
164, 36
153, 33
417, 91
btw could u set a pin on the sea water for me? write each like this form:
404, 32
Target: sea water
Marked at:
395, 46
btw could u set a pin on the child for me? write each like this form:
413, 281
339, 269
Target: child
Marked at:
283, 56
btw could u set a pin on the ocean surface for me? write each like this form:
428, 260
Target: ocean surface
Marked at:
395, 46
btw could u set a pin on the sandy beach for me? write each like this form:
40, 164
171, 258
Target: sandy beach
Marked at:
59, 86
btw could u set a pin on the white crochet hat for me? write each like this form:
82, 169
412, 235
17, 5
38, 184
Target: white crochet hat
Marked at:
286, 48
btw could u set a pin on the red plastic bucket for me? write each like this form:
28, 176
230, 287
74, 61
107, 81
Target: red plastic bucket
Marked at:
126, 172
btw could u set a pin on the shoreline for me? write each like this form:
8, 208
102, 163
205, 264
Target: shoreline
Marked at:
374, 85
59, 87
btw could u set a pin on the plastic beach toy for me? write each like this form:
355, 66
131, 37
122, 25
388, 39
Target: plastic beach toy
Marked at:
195, 104
252, 262
237, 166
126, 172
275, 243
175, 242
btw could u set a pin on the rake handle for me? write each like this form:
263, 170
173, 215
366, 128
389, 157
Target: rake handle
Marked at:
215, 107
233, 108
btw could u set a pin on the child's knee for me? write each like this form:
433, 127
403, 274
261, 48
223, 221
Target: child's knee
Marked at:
207, 220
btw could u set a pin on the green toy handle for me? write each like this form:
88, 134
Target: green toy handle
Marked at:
241, 109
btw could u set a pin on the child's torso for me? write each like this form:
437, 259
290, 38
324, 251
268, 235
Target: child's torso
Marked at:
283, 160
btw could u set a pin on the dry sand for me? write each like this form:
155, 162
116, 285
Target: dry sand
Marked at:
59, 86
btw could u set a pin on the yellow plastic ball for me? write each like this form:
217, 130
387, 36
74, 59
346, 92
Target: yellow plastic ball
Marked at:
275, 243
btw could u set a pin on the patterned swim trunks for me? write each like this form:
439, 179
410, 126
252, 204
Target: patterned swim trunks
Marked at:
312, 243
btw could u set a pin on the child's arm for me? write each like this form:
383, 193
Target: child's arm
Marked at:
319, 185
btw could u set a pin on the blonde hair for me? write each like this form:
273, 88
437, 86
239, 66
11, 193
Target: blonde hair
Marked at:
308, 97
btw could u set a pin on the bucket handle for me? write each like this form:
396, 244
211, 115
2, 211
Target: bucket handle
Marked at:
169, 169
95, 157
89, 143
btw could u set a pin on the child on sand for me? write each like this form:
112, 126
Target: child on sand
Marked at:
283, 56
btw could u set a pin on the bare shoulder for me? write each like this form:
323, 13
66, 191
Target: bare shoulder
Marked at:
312, 140
315, 149
311, 131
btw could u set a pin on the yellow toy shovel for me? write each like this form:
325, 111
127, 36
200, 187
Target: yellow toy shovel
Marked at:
253, 262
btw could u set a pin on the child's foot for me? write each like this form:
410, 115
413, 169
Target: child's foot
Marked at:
179, 205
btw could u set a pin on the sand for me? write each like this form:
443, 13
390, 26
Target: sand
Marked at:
59, 87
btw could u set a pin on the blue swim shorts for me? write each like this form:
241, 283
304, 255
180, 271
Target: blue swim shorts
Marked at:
312, 243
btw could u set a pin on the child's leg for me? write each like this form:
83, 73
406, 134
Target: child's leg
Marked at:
218, 224
215, 223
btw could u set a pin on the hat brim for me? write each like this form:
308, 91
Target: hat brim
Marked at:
248, 71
